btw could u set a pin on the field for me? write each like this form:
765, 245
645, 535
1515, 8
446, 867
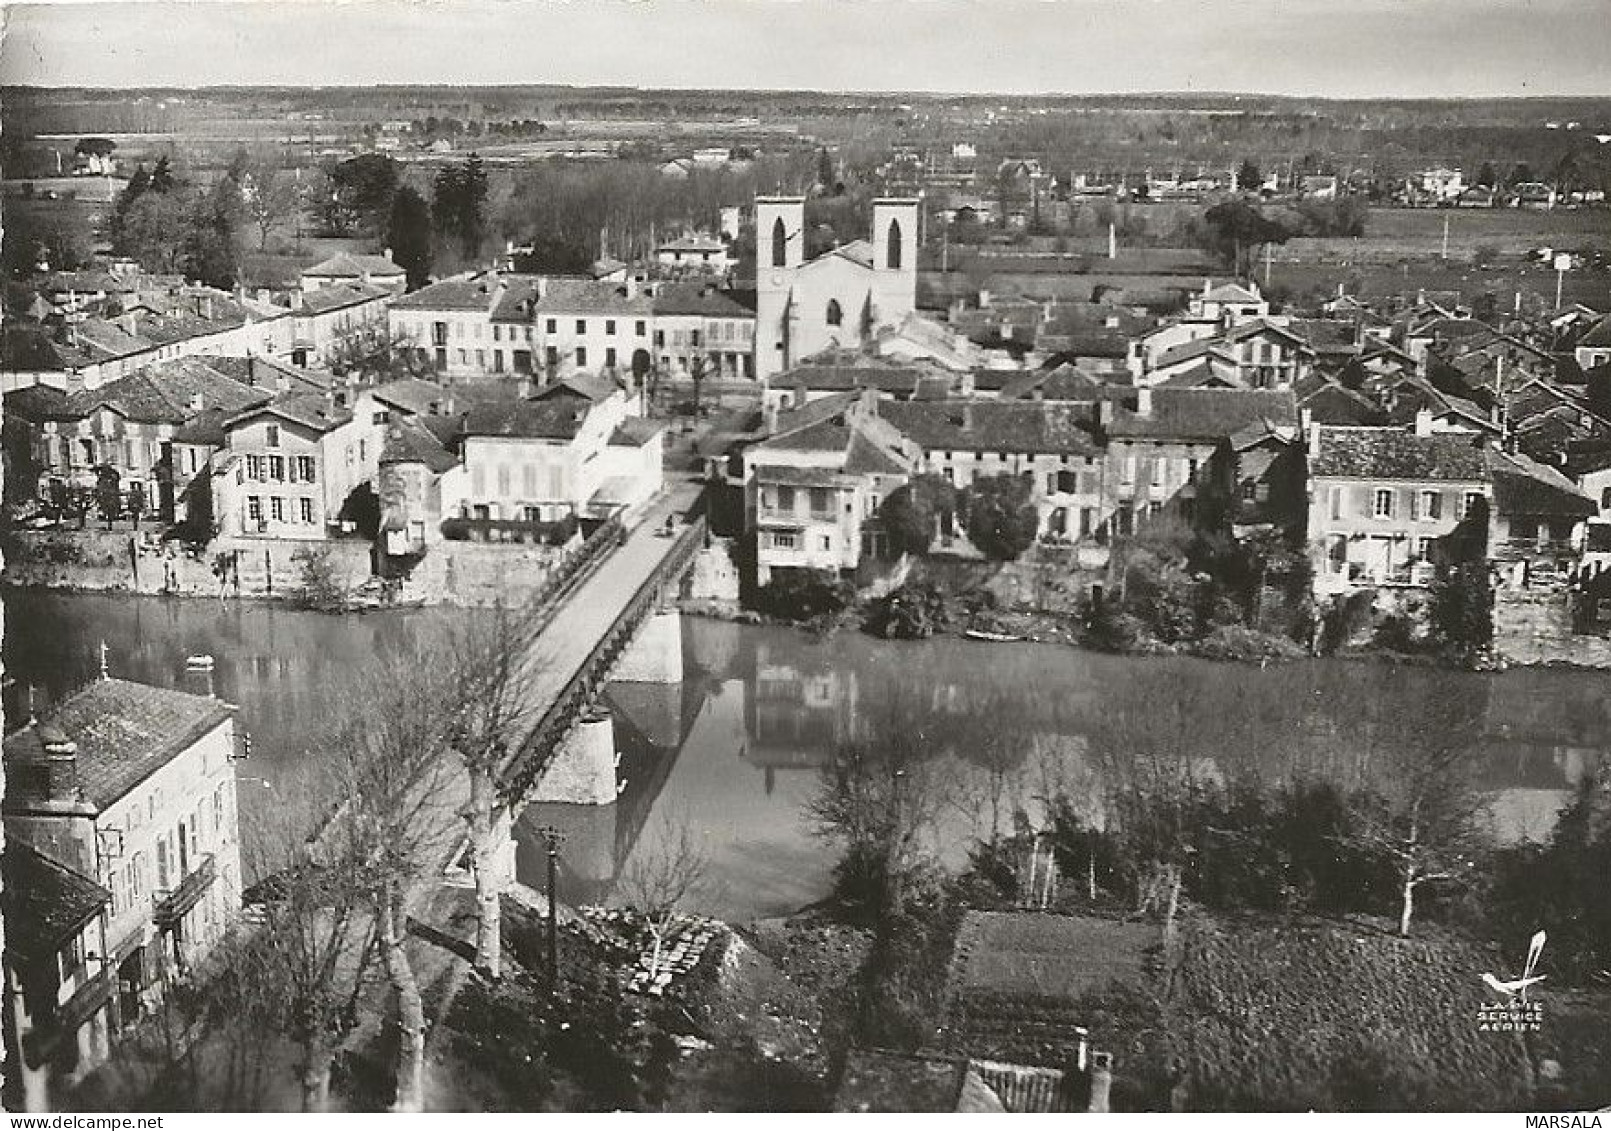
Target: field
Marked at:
1336, 1018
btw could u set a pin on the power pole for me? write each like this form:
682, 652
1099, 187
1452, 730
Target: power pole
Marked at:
1446, 238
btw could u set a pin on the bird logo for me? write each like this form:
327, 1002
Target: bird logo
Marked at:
1517, 988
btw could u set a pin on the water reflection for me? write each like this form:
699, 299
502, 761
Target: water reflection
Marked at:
735, 749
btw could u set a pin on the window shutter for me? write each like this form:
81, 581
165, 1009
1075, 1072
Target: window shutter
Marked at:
1415, 505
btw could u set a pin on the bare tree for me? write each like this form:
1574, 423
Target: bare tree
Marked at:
1426, 807
396, 823
880, 797
488, 711
667, 871
268, 195
297, 970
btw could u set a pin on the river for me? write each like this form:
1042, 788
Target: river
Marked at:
734, 753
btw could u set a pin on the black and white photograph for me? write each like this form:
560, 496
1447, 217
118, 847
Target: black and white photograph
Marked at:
806, 556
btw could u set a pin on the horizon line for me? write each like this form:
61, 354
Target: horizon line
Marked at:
884, 93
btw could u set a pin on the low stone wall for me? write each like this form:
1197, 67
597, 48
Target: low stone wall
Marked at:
121, 561
1535, 627
482, 574
453, 573
714, 576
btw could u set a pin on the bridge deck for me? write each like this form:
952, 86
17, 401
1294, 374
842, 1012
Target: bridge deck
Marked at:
567, 641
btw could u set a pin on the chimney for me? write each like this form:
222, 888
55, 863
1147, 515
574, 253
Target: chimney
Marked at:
967, 416
53, 777
1314, 441
196, 403
1101, 1082
131, 323
1144, 401
1423, 422
984, 299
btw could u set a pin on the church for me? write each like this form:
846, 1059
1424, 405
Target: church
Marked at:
840, 298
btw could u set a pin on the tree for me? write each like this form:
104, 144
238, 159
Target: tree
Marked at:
391, 827
108, 494
458, 208
1235, 230
878, 799
825, 175
914, 611
320, 585
1461, 612
1487, 176
136, 501
1427, 817
1000, 515
408, 234
361, 190
162, 178
1248, 177
268, 196
1520, 174
667, 870
486, 716
912, 514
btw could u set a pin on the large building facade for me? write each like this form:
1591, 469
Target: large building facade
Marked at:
839, 298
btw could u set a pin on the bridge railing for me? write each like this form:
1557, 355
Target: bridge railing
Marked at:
538, 751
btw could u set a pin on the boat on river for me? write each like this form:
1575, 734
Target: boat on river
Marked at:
991, 637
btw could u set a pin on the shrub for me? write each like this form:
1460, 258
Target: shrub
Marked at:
319, 586
911, 512
805, 595
1000, 516
915, 611
1237, 642
1463, 608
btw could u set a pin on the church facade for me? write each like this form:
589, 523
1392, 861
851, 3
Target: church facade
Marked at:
842, 297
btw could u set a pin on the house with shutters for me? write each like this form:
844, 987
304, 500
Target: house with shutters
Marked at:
812, 489
121, 832
572, 450
1382, 500
157, 430
1052, 444
1181, 454
289, 466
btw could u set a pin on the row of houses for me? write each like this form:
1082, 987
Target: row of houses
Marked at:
251, 449
509, 323
1377, 503
86, 328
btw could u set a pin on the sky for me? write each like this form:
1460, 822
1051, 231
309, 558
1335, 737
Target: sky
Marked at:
1333, 48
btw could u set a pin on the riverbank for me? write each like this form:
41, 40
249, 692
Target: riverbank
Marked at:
336, 575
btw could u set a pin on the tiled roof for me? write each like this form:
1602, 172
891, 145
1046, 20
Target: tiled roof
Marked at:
345, 265
517, 300
413, 395
1203, 414
823, 436
311, 410
1325, 335
790, 475
337, 297
594, 387
837, 378
1523, 486
864, 457
1598, 335
1186, 351
164, 392
1331, 403
452, 294
703, 300
1230, 292
45, 903
567, 296
1060, 428
636, 431
35, 403
408, 441
124, 732
693, 243
267, 373
1392, 453
556, 419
